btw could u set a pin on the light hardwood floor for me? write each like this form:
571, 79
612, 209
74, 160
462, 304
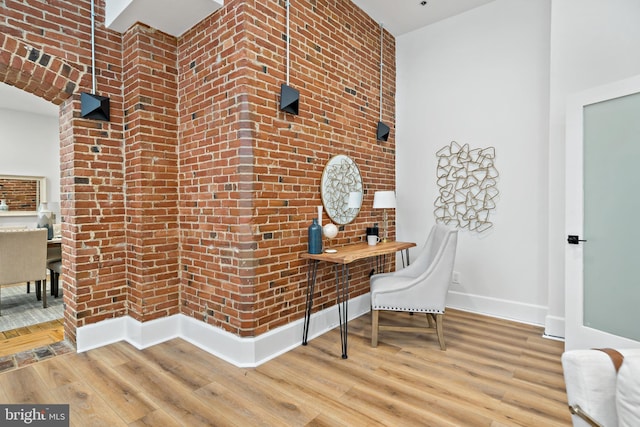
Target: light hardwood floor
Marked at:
30, 337
494, 373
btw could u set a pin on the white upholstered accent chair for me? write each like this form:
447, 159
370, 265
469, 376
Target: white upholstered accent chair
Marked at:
419, 288
23, 256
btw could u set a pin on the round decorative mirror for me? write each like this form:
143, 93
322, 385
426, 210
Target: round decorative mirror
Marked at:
341, 189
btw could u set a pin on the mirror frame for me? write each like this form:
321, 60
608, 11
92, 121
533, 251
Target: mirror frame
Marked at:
340, 177
42, 193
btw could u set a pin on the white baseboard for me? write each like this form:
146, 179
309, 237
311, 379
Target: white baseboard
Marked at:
504, 309
241, 352
253, 351
554, 327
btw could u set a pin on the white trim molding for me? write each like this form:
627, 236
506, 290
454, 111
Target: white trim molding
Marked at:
554, 327
497, 307
242, 352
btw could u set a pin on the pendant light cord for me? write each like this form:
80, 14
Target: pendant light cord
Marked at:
288, 5
381, 65
93, 46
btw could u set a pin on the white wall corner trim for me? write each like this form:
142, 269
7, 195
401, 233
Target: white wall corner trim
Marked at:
241, 352
554, 327
500, 308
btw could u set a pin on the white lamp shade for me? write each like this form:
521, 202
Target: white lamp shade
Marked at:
355, 200
384, 200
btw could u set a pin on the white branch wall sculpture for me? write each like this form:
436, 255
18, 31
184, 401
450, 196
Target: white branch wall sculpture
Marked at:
467, 181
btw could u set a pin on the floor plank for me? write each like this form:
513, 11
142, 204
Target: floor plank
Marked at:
30, 341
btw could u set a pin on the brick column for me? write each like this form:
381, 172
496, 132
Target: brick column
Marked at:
151, 137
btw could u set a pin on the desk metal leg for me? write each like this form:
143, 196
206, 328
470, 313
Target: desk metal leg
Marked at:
406, 252
311, 283
342, 290
381, 261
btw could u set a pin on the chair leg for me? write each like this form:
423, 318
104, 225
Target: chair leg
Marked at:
439, 318
37, 285
44, 293
54, 283
430, 319
28, 287
57, 284
374, 327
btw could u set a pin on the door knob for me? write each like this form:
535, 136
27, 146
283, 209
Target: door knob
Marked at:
574, 240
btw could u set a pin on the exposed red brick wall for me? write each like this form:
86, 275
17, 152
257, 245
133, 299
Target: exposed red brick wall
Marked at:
196, 196
45, 50
151, 168
92, 178
250, 174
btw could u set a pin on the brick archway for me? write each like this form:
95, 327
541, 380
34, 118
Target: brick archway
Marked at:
55, 80
32, 70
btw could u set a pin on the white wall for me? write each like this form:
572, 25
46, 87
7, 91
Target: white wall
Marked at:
499, 75
482, 78
30, 145
592, 43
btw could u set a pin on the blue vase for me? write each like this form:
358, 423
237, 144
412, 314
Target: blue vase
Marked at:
315, 237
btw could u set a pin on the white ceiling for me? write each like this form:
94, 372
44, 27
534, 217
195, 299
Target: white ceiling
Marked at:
170, 16
397, 16
403, 16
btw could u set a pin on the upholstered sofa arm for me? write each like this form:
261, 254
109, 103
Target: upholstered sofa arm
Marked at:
596, 391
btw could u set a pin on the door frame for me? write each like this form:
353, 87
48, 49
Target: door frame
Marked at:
576, 334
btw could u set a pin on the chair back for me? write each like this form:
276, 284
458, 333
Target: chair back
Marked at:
440, 237
440, 253
432, 271
23, 256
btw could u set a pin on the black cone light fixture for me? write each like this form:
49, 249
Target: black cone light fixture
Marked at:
382, 131
94, 106
289, 97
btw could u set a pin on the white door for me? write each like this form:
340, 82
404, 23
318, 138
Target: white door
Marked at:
602, 257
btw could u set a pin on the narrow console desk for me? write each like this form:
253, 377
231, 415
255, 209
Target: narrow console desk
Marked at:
344, 256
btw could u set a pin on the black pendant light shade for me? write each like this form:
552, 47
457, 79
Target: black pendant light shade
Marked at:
382, 133
94, 107
289, 99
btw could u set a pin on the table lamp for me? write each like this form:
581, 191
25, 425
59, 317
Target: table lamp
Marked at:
384, 200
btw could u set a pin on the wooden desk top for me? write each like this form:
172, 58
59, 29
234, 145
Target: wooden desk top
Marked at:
350, 253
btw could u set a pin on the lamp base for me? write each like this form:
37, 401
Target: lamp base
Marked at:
385, 226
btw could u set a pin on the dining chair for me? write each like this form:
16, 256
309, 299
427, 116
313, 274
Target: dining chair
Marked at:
53, 254
23, 255
418, 288
15, 228
55, 269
